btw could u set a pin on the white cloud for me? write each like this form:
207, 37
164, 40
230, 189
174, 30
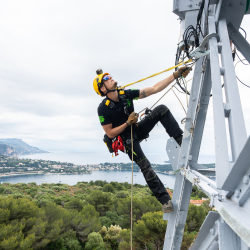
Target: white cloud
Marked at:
50, 50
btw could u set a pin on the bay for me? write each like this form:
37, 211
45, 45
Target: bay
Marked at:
119, 176
83, 158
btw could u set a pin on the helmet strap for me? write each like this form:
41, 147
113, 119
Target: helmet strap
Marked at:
108, 90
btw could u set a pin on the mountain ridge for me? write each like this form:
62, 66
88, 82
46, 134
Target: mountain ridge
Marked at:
14, 147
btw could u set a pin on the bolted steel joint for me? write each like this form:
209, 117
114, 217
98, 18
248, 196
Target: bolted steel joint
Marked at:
237, 193
246, 179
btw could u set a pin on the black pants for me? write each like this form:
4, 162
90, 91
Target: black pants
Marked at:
160, 114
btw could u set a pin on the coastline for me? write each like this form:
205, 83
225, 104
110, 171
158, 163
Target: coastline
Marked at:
46, 173
10, 175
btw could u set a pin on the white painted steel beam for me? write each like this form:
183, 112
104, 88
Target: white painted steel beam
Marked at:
239, 41
207, 234
201, 117
183, 188
237, 128
236, 217
227, 238
221, 155
239, 168
238, 180
214, 246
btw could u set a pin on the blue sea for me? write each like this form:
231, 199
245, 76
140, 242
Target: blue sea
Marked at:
119, 176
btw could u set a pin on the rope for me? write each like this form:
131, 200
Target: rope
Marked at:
166, 93
143, 79
184, 81
179, 100
132, 143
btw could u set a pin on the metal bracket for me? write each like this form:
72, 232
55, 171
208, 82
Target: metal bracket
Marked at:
200, 51
173, 150
227, 109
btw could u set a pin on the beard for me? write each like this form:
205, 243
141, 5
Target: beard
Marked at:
115, 84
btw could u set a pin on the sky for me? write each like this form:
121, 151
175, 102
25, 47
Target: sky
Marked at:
50, 50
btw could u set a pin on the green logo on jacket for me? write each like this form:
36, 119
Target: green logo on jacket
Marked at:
128, 103
101, 118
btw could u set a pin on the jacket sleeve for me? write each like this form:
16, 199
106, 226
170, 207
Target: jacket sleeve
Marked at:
104, 117
132, 94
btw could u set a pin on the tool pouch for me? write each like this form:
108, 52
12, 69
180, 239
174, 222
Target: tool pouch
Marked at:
108, 143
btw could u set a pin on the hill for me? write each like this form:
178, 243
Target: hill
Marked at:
15, 147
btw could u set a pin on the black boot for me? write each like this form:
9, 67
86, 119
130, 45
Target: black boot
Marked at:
179, 139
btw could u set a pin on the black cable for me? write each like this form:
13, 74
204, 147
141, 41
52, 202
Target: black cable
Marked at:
244, 32
179, 91
242, 82
244, 64
241, 60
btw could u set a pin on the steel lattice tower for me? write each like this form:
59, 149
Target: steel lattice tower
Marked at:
228, 229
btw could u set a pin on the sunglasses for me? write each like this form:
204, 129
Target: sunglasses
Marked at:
106, 77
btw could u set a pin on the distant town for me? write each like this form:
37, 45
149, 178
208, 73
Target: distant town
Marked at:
14, 166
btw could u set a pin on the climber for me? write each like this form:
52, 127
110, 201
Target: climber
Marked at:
116, 114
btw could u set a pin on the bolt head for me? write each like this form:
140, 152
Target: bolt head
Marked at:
204, 99
237, 193
246, 179
212, 231
193, 99
231, 4
183, 156
242, 2
190, 5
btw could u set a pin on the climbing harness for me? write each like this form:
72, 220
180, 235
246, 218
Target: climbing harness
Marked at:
122, 96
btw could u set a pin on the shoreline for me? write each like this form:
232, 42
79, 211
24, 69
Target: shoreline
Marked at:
23, 174
10, 175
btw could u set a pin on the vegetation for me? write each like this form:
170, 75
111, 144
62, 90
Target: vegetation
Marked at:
94, 215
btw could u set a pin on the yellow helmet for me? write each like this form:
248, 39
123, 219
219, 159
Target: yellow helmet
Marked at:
97, 81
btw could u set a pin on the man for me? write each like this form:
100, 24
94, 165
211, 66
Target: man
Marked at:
116, 114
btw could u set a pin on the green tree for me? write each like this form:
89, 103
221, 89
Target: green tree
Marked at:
140, 206
150, 229
121, 194
195, 217
74, 203
206, 206
94, 242
84, 222
187, 240
66, 242
197, 193
2, 188
101, 201
125, 243
111, 236
108, 188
